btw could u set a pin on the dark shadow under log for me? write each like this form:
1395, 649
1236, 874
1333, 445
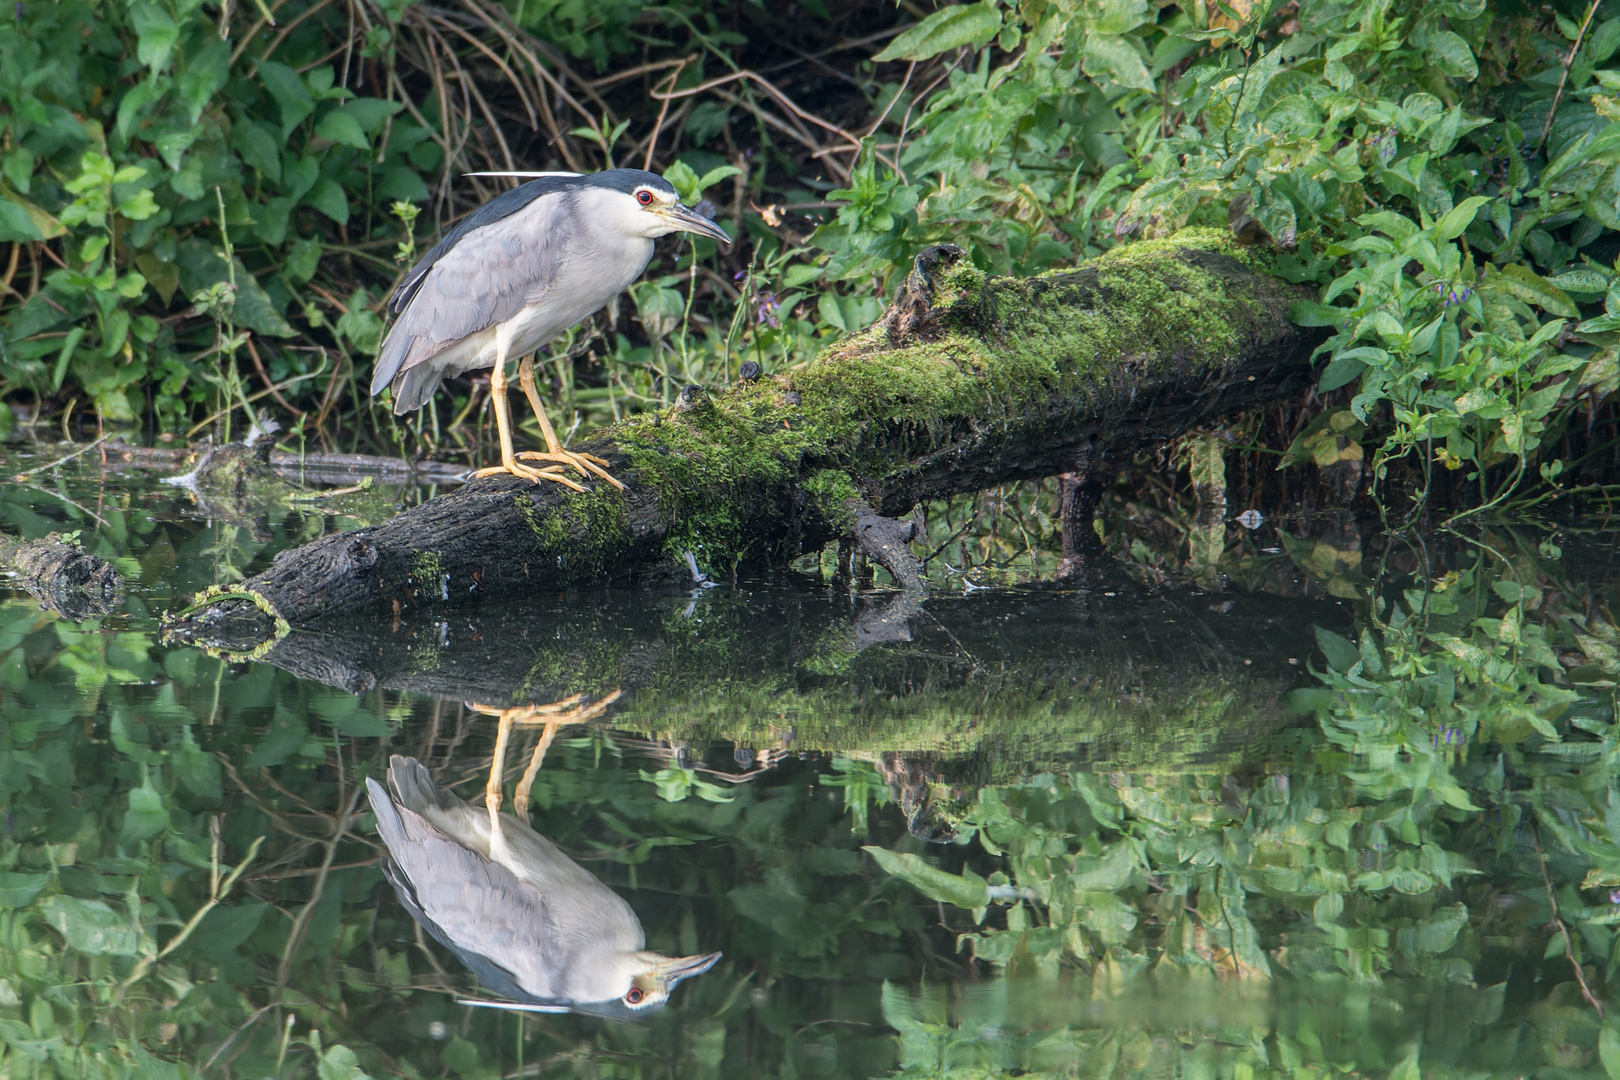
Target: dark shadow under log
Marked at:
966, 382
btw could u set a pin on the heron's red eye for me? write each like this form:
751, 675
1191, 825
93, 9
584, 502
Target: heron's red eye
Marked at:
645, 198
635, 995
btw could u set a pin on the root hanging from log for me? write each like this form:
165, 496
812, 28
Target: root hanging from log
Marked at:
967, 382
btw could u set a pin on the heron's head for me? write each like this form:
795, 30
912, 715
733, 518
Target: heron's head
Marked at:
643, 980
645, 205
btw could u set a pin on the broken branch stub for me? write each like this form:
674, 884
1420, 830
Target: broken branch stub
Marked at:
967, 382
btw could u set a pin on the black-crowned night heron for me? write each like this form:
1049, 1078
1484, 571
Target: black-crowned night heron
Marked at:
513, 275
535, 927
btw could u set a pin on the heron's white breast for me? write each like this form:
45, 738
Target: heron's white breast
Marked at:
597, 263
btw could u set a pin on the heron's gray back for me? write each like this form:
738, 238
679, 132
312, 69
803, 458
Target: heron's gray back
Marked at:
581, 909
471, 904
552, 256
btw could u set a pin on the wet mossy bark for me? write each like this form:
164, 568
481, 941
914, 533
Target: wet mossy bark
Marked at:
967, 381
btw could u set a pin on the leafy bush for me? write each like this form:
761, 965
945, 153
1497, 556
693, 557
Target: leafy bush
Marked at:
1444, 173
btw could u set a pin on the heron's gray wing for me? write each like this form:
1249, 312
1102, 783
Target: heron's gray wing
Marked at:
482, 274
497, 925
503, 205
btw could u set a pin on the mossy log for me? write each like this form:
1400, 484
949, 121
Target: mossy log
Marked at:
966, 382
63, 577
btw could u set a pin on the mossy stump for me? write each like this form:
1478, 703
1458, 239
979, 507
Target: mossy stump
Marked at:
967, 382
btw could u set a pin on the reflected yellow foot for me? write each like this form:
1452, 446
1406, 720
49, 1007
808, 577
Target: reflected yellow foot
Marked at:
554, 717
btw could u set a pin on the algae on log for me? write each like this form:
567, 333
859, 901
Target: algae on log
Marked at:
967, 381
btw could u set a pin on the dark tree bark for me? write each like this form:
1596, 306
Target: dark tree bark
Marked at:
966, 382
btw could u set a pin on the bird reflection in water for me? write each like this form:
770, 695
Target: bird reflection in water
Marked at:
536, 928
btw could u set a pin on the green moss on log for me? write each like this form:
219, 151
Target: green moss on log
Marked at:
1010, 346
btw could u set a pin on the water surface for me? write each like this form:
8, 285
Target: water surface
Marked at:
1344, 806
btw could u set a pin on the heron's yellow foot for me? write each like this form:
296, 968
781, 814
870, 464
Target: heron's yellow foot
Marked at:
587, 464
515, 468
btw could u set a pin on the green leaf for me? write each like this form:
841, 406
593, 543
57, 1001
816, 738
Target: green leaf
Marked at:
1114, 58
1111, 872
1581, 280
16, 890
1451, 54
1407, 1069
1602, 42
259, 147
22, 221
1458, 218
90, 926
327, 197
371, 113
1342, 653
343, 129
1524, 283
967, 890
340, 1063
1609, 1047
146, 816
292, 97
1341, 371
946, 29
156, 34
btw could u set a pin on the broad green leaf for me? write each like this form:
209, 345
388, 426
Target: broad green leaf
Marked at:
259, 147
1459, 217
22, 221
1114, 58
328, 197
946, 29
1451, 54
1524, 283
1602, 42
342, 129
291, 95
1581, 280
156, 34
1609, 1047
90, 926
1342, 653
966, 890
1341, 371
16, 890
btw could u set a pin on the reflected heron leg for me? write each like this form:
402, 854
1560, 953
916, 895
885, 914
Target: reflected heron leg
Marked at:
561, 715
492, 787
587, 464
503, 427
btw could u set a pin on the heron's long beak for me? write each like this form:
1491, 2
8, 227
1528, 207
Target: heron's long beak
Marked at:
673, 969
688, 220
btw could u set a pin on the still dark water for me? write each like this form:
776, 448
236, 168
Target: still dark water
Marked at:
1350, 808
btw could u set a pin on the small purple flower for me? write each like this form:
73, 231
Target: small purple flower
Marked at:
739, 275
1614, 896
768, 307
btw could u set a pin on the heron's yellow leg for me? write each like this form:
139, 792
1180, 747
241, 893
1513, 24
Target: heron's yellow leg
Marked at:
587, 464
503, 427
